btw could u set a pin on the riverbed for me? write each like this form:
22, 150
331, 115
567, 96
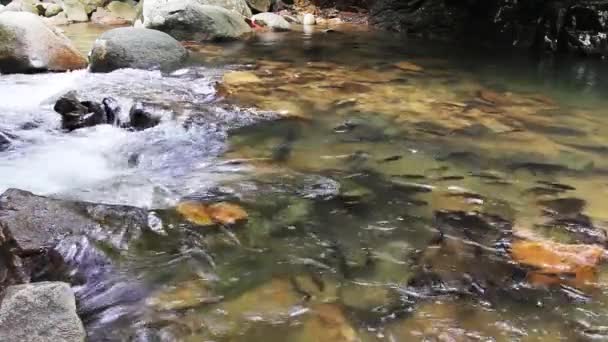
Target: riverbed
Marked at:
392, 187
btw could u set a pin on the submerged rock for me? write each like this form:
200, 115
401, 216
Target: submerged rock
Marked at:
555, 263
141, 118
136, 48
28, 44
272, 21
44, 311
208, 215
189, 20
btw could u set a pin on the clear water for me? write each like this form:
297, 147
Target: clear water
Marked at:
346, 192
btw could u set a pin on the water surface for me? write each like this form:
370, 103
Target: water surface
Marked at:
389, 186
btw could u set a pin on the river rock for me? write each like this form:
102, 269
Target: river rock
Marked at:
141, 118
51, 9
76, 114
21, 6
259, 5
103, 17
40, 312
189, 20
122, 10
35, 223
152, 8
137, 48
309, 19
272, 20
28, 44
75, 10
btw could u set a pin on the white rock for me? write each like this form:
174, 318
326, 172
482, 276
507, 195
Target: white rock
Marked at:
309, 19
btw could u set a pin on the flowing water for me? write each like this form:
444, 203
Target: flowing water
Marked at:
395, 191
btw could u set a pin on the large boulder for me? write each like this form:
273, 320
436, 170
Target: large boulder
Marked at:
34, 223
151, 8
21, 6
40, 312
28, 44
557, 26
272, 21
189, 20
137, 48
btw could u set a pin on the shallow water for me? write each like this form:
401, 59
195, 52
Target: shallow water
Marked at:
384, 204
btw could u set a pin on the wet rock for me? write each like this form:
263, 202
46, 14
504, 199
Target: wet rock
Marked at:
112, 109
259, 5
272, 21
28, 44
554, 263
5, 142
76, 114
136, 48
309, 19
189, 20
35, 223
44, 311
141, 118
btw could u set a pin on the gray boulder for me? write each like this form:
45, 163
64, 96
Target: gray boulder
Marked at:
152, 8
137, 48
40, 312
28, 43
272, 20
260, 5
33, 223
189, 20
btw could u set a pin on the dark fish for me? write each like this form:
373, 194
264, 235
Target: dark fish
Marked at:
390, 159
450, 178
558, 186
544, 168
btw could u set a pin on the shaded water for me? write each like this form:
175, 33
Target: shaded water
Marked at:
395, 199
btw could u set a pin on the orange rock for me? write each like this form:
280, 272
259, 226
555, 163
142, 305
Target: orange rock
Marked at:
195, 212
556, 263
208, 215
227, 213
408, 66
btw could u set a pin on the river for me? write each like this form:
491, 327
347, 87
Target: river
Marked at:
393, 189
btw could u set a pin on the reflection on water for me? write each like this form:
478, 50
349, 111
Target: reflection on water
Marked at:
409, 191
